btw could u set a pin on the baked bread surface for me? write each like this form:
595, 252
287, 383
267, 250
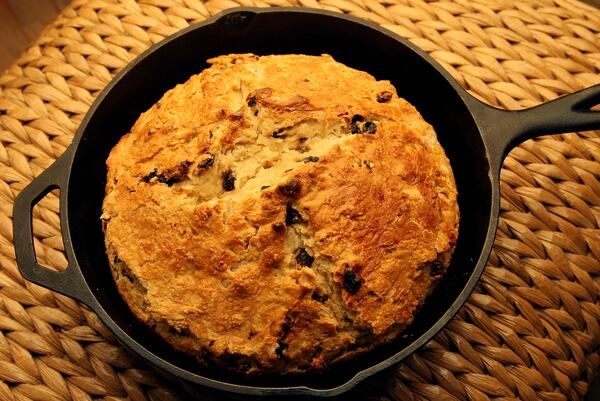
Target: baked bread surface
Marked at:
278, 214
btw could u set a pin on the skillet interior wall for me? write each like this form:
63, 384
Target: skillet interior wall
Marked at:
356, 46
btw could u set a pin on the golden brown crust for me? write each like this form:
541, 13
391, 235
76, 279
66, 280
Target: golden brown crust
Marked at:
279, 213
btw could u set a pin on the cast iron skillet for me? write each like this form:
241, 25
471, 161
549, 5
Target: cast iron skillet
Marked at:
476, 138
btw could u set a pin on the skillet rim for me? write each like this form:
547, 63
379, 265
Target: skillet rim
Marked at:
130, 342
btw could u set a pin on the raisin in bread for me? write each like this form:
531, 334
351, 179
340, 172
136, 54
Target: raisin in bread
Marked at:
278, 214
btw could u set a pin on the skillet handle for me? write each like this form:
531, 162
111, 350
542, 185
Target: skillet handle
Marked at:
503, 129
69, 282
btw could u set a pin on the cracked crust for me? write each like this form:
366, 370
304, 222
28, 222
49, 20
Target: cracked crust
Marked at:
277, 214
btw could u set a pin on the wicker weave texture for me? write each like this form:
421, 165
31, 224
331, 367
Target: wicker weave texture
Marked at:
530, 331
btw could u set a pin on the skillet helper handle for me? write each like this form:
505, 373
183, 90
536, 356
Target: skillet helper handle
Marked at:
69, 282
568, 113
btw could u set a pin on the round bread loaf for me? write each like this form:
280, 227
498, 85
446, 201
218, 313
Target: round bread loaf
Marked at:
278, 214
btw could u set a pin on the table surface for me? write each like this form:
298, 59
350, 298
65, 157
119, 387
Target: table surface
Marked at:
530, 331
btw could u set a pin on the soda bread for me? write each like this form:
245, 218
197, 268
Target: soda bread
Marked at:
278, 214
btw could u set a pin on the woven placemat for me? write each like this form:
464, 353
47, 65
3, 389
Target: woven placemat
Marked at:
531, 330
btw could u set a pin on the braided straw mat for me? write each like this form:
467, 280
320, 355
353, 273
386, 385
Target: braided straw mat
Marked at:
530, 331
